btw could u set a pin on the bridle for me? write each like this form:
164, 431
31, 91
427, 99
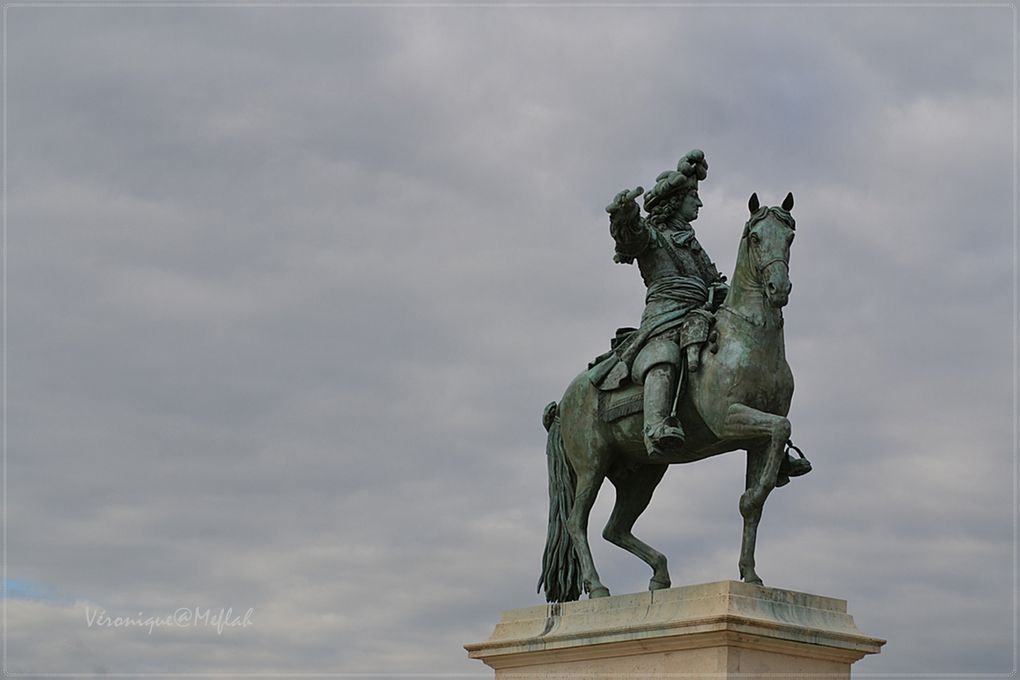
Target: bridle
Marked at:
774, 260
786, 219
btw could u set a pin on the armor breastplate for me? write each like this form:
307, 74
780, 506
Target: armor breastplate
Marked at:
657, 261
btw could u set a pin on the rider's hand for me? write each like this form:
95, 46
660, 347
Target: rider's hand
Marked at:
624, 204
719, 291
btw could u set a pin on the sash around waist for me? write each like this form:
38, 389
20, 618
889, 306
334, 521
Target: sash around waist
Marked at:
668, 301
689, 290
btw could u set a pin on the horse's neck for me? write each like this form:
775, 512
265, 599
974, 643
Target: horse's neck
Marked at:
746, 296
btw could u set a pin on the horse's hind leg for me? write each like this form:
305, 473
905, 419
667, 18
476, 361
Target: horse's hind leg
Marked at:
588, 484
633, 492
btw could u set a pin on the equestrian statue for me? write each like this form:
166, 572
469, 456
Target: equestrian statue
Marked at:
705, 373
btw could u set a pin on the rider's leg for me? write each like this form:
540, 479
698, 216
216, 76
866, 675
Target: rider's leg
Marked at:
663, 434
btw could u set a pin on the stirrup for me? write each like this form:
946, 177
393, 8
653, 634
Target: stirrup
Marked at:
664, 441
797, 466
792, 467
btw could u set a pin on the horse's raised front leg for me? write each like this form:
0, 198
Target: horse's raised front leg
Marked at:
588, 484
633, 492
744, 422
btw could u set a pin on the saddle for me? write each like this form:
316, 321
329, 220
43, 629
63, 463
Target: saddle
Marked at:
607, 371
619, 395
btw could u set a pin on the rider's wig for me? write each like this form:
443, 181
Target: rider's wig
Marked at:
672, 185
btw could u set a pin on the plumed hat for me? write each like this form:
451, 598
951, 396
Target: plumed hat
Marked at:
691, 169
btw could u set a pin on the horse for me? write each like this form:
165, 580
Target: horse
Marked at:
737, 399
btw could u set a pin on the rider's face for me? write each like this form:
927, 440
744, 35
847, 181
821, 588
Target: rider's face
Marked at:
689, 206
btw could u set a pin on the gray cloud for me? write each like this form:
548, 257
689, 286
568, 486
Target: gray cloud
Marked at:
289, 287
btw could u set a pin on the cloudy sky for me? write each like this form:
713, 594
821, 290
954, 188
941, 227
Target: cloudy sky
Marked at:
288, 287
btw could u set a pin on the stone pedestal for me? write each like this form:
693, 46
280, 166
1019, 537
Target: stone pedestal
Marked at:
726, 629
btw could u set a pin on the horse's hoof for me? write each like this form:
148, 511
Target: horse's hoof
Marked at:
755, 581
658, 585
601, 591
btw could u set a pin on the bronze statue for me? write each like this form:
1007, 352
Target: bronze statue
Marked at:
683, 287
705, 374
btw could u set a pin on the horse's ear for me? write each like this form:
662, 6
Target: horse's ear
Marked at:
788, 202
753, 204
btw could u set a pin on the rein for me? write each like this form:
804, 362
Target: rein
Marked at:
751, 322
737, 314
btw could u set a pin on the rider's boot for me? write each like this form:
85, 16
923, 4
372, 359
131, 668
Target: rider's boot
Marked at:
663, 434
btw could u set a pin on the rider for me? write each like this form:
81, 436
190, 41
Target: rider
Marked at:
683, 284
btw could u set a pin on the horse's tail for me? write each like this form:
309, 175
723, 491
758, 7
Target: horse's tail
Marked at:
561, 569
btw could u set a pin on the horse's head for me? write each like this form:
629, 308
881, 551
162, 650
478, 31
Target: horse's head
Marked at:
767, 238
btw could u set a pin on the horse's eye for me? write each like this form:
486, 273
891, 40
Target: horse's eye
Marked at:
754, 238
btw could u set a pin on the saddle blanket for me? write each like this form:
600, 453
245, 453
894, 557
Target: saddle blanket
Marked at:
620, 403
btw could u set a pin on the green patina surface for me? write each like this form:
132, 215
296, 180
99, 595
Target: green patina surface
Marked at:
705, 373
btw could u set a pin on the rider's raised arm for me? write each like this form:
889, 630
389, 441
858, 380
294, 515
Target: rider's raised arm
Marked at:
626, 226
